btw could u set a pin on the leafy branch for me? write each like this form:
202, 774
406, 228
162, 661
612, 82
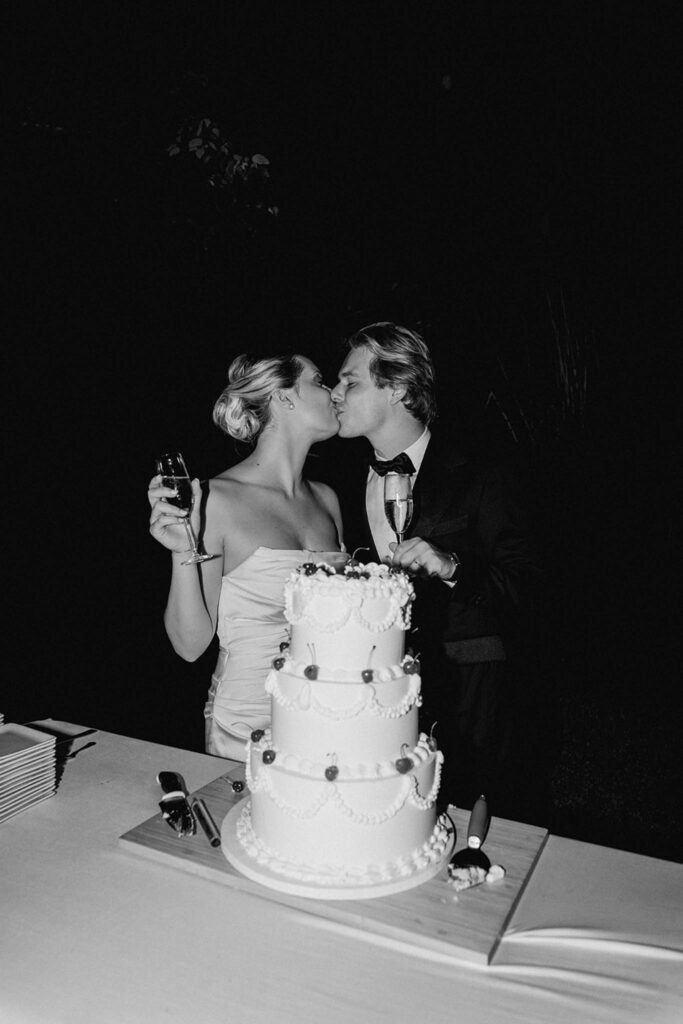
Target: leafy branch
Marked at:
542, 394
244, 178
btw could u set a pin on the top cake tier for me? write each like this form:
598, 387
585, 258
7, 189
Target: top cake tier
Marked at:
353, 620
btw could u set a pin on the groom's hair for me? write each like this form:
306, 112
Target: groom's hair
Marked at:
401, 358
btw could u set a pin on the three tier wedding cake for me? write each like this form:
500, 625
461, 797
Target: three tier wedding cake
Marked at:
342, 787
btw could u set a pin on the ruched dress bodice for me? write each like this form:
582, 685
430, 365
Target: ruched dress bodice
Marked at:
251, 626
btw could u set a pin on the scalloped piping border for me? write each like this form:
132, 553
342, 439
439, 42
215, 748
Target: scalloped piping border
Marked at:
398, 591
431, 851
330, 793
307, 701
329, 674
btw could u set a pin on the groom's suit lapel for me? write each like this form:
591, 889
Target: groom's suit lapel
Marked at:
441, 477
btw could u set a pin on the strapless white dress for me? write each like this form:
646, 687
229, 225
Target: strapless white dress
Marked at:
251, 627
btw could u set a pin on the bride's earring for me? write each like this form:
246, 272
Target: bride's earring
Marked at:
285, 401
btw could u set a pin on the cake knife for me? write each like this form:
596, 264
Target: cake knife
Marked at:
174, 804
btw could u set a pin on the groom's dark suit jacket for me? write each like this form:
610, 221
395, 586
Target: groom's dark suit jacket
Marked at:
473, 638
476, 513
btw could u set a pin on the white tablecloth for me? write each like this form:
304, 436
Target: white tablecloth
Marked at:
91, 933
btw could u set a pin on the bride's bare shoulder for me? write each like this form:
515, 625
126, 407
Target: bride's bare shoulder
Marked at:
229, 477
228, 486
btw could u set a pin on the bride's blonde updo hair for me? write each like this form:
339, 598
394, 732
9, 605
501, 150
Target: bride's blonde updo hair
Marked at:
242, 409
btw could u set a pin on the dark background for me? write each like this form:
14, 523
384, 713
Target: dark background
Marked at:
499, 175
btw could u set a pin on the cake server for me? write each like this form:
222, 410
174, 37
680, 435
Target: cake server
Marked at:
174, 804
470, 866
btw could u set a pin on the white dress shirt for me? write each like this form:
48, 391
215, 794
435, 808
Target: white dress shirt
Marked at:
382, 534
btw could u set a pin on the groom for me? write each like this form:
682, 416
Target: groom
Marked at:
465, 546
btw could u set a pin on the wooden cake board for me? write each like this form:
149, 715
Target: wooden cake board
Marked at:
466, 925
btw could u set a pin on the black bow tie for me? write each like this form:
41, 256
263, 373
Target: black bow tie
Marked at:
401, 464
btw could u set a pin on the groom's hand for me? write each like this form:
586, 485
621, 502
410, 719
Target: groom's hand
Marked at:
422, 559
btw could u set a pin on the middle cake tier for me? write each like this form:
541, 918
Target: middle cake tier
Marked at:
320, 719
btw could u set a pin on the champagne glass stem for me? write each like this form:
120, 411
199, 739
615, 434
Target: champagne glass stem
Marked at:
192, 539
190, 536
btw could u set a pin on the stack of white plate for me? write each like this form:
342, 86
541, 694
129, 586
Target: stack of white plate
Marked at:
27, 768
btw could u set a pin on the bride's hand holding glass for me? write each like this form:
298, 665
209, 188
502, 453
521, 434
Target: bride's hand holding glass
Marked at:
167, 521
175, 499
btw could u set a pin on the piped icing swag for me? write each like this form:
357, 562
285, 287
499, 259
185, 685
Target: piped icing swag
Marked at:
376, 596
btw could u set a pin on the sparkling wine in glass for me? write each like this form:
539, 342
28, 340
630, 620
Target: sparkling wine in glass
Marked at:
173, 471
398, 502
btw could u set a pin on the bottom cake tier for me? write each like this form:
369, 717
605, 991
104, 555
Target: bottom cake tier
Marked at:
307, 877
341, 831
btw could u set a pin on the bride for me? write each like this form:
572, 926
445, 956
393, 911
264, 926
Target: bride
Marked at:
262, 519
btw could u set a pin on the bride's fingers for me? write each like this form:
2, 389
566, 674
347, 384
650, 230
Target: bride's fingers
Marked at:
160, 505
159, 493
165, 519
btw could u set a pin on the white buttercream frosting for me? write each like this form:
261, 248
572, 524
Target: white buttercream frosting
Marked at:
431, 851
372, 595
258, 769
365, 698
343, 788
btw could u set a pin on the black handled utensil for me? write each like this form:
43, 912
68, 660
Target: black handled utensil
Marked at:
175, 805
470, 866
205, 819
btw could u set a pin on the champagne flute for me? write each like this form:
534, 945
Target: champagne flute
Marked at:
398, 502
173, 472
